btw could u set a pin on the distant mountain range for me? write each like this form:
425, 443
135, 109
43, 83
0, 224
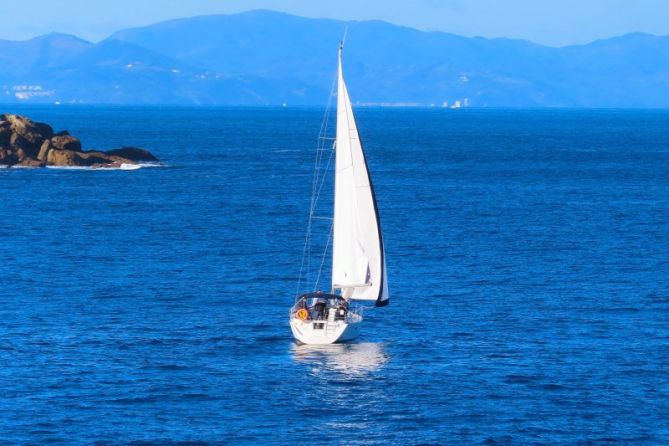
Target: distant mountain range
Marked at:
270, 58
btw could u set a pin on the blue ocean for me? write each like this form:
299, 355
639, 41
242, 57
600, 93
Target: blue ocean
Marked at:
528, 269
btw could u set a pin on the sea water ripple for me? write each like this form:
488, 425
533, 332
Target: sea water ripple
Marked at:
527, 262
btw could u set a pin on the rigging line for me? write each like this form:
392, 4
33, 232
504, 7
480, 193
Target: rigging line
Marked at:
321, 147
322, 179
315, 190
320, 188
318, 194
320, 270
318, 179
306, 251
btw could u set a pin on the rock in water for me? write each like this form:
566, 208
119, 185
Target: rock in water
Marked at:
34, 144
66, 142
133, 154
22, 136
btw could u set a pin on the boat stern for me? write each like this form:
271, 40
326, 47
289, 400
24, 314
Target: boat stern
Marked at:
324, 331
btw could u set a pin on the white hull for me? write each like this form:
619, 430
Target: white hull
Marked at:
308, 332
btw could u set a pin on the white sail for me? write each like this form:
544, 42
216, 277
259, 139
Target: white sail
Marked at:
358, 258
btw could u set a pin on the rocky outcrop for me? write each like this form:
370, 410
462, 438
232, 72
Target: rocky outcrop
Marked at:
133, 153
33, 144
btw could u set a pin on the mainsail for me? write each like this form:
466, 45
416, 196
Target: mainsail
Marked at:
358, 258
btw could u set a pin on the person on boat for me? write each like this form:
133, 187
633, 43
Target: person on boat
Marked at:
319, 308
340, 309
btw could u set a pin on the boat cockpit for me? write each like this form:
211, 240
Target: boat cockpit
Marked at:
321, 306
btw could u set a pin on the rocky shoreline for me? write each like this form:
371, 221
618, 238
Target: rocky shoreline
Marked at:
24, 143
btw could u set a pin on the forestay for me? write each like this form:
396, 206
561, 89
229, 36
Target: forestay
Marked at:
358, 263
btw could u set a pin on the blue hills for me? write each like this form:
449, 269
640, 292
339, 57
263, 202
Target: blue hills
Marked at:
271, 58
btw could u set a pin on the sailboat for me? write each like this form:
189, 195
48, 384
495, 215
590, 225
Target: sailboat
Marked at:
358, 257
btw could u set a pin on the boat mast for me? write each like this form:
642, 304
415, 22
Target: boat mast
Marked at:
334, 147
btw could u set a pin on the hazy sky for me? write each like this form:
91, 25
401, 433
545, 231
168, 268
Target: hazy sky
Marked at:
551, 22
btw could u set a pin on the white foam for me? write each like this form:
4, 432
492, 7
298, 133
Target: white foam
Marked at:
152, 164
123, 166
126, 166
79, 168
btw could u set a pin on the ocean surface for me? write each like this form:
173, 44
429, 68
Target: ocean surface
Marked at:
528, 268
